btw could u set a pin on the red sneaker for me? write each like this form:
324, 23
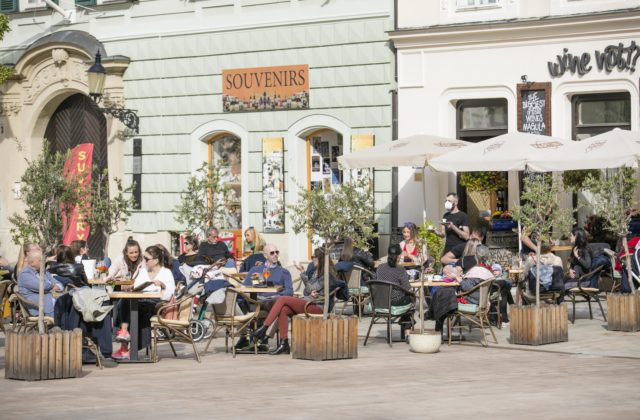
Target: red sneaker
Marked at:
123, 336
121, 354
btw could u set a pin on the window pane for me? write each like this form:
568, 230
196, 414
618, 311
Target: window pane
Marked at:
484, 117
466, 3
616, 111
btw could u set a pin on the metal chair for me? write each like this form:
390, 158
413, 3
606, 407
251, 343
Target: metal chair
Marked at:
586, 294
382, 310
476, 314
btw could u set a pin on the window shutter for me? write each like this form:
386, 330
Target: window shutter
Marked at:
8, 6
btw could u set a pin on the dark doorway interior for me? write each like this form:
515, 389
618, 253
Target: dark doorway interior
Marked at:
77, 120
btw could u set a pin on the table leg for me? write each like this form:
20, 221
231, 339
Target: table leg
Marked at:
133, 327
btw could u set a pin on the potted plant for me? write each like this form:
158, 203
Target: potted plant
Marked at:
576, 180
422, 340
541, 215
49, 196
327, 219
612, 197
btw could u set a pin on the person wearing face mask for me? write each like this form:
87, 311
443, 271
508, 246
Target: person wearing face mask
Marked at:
455, 224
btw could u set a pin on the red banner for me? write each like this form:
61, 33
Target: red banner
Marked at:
78, 166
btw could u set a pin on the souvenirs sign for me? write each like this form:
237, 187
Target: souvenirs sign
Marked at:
265, 88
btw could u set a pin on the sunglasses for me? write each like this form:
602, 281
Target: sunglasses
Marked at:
187, 243
409, 225
274, 252
148, 258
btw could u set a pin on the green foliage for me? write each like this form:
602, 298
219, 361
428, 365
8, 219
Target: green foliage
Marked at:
612, 196
347, 212
48, 196
105, 211
541, 213
483, 181
434, 243
202, 202
5, 72
575, 180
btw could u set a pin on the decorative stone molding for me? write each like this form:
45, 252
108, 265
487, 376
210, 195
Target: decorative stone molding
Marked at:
59, 56
53, 73
10, 108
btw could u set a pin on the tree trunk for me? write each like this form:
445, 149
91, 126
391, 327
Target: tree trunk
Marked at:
105, 250
41, 298
325, 310
538, 250
628, 264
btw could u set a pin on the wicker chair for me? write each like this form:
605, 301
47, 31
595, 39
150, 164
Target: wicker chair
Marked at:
580, 294
475, 314
227, 315
383, 311
174, 329
22, 320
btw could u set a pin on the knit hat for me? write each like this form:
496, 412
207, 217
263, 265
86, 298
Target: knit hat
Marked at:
496, 267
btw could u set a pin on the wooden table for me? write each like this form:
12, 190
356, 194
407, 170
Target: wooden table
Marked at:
96, 282
560, 248
252, 289
133, 322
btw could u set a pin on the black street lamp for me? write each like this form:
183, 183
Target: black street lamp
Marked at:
97, 75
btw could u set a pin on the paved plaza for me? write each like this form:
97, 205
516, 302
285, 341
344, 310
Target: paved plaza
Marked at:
595, 374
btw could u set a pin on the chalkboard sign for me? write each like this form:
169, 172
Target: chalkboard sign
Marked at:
534, 103
534, 108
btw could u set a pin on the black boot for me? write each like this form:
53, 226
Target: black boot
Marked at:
283, 348
242, 344
259, 333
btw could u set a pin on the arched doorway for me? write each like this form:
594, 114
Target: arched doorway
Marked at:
77, 120
225, 150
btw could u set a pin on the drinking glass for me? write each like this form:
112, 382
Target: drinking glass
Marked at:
266, 274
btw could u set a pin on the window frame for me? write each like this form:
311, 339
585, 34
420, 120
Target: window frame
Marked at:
594, 129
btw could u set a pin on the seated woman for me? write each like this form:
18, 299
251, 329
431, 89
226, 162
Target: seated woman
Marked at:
128, 264
29, 284
80, 250
352, 255
191, 244
158, 278
174, 265
409, 245
253, 242
287, 306
469, 258
66, 269
579, 260
391, 272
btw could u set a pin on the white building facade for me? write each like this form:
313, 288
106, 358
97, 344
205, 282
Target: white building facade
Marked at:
465, 68
166, 60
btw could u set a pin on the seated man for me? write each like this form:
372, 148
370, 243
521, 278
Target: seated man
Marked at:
456, 252
29, 284
278, 276
212, 250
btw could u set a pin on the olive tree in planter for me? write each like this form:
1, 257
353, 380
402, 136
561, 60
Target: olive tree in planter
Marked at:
541, 215
612, 197
203, 201
106, 209
327, 219
49, 196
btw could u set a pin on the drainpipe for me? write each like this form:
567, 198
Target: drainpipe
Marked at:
394, 124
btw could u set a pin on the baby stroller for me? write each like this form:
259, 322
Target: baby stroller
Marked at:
202, 327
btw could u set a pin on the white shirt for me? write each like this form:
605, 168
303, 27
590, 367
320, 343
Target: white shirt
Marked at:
164, 275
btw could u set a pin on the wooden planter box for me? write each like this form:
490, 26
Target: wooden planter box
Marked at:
33, 357
534, 326
623, 312
319, 339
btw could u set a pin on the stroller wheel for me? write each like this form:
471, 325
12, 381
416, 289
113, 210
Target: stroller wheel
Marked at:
209, 327
197, 330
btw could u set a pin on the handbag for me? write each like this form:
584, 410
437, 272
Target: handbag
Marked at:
170, 313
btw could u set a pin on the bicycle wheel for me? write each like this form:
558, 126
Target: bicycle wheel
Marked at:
209, 327
197, 330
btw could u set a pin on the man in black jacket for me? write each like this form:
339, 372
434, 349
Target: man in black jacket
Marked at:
212, 250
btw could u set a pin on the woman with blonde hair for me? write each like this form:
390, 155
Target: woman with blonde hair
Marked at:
253, 241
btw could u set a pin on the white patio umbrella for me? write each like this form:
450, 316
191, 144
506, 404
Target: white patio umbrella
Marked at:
513, 151
415, 151
612, 149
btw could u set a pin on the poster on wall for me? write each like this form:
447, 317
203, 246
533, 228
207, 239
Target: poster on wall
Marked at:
273, 185
265, 88
534, 108
360, 142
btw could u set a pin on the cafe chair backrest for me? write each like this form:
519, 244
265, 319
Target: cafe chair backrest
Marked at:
380, 295
354, 277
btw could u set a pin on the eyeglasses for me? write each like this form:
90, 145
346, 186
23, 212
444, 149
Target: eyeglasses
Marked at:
274, 252
148, 258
